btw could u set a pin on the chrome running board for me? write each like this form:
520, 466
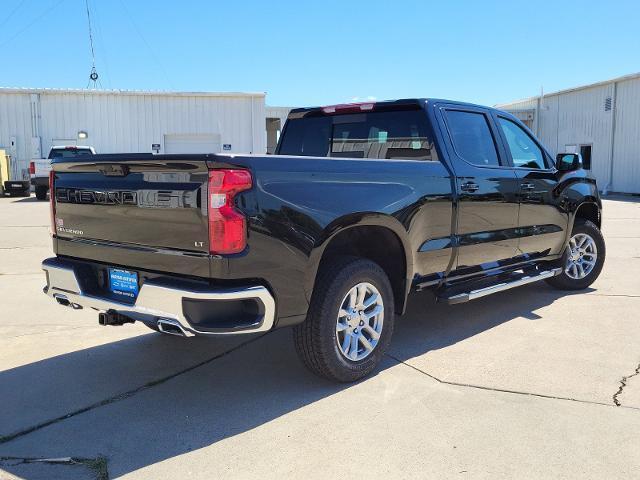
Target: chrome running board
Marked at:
518, 281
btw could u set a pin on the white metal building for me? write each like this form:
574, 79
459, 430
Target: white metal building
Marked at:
601, 121
276, 116
116, 121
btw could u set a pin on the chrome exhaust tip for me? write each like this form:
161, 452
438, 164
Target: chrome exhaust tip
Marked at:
62, 300
173, 327
65, 302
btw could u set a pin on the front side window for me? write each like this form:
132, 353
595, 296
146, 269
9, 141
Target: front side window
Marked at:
472, 137
524, 151
401, 134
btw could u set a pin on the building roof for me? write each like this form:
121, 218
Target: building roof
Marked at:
80, 91
631, 76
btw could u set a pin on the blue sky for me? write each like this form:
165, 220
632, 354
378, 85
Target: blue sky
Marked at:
322, 52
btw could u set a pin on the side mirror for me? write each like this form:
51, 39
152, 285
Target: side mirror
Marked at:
567, 162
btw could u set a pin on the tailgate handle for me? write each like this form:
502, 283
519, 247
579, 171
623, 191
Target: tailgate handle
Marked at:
114, 170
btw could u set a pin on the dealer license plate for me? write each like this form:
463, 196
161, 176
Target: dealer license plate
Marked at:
123, 282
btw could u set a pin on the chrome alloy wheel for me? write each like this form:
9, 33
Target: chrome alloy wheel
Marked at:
583, 255
359, 323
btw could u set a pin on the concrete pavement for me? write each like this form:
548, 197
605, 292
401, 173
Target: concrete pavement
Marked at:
520, 384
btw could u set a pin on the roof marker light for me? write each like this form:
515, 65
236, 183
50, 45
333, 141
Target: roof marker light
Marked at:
349, 107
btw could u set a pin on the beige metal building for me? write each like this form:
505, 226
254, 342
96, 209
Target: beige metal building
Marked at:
601, 121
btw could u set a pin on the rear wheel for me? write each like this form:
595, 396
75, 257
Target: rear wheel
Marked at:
583, 258
350, 320
41, 192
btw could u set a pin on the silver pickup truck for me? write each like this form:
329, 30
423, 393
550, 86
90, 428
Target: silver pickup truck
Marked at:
39, 169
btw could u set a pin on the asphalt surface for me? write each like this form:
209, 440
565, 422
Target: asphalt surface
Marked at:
530, 383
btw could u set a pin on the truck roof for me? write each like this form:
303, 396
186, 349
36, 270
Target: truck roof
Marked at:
375, 105
71, 147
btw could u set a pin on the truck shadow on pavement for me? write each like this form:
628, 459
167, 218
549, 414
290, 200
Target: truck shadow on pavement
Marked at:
183, 410
31, 199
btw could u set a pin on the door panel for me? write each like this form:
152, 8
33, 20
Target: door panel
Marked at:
542, 221
487, 217
487, 223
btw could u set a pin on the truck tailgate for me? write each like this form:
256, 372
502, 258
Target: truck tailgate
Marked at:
41, 167
144, 201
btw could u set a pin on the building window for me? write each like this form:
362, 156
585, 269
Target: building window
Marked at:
585, 153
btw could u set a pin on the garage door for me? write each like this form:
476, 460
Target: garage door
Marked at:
192, 143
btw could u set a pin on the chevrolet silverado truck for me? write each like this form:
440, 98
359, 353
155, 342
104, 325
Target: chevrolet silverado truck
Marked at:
361, 205
39, 168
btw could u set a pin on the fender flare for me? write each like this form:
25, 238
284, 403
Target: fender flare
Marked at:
347, 222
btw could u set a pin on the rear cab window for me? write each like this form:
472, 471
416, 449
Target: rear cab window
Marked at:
391, 134
69, 152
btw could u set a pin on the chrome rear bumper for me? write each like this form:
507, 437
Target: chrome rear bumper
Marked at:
156, 302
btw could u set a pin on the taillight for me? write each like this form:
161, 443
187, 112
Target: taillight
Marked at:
227, 226
52, 200
32, 168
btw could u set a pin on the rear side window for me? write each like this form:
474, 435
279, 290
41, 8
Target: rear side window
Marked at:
524, 151
472, 137
381, 135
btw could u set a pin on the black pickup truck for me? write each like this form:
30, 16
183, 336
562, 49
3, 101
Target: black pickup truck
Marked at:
361, 205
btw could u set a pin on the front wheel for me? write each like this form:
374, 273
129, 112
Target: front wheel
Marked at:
583, 258
350, 320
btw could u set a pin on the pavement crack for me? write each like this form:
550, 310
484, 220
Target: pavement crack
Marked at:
42, 332
612, 295
623, 383
121, 396
97, 465
504, 390
23, 273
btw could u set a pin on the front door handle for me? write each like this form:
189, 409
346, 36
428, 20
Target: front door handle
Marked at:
527, 186
469, 187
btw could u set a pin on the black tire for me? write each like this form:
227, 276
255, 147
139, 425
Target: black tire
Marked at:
41, 192
564, 281
316, 338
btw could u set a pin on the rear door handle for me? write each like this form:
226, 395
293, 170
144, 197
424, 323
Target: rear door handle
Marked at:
527, 186
469, 187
